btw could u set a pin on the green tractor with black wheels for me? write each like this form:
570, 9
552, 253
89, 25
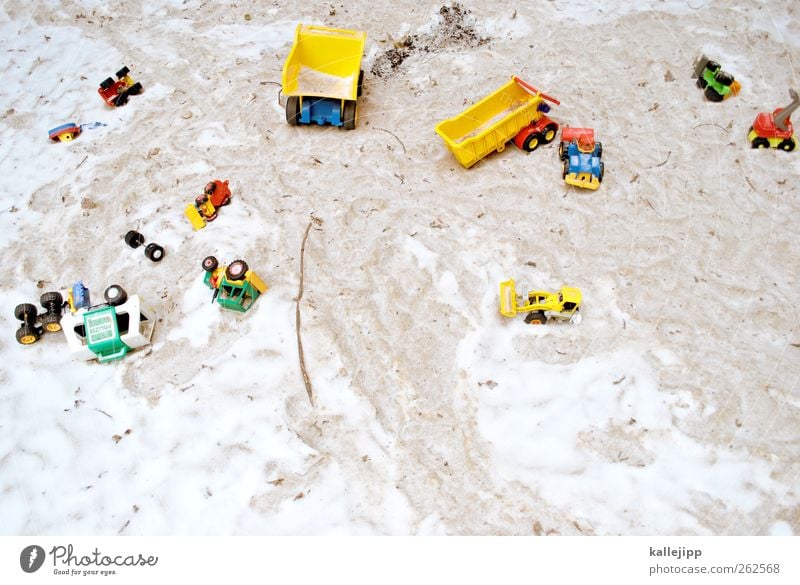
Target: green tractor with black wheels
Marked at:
716, 83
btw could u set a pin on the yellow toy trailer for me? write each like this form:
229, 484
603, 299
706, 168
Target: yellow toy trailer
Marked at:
322, 76
515, 111
541, 305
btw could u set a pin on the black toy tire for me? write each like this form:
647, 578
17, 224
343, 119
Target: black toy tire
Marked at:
701, 83
712, 95
536, 318
115, 295
236, 270
134, 239
547, 130
51, 299
360, 89
724, 78
121, 99
27, 335
293, 110
52, 322
713, 66
564, 170
123, 72
759, 142
563, 153
532, 142
154, 252
787, 145
210, 263
598, 149
106, 83
602, 172
135, 89
349, 115
26, 312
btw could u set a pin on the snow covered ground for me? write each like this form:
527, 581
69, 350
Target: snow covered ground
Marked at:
672, 409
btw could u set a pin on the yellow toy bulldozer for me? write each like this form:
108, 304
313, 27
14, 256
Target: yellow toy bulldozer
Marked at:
541, 305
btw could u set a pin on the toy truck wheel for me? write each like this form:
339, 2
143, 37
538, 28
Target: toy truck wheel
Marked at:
154, 252
602, 172
52, 322
701, 83
564, 169
115, 295
713, 66
135, 89
51, 300
349, 115
787, 145
26, 335
106, 83
548, 133
134, 239
536, 318
712, 95
598, 149
121, 99
562, 150
531, 143
236, 270
26, 312
759, 142
123, 72
210, 263
360, 83
293, 110
724, 78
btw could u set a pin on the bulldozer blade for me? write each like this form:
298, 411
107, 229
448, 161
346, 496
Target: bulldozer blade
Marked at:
699, 65
508, 298
194, 217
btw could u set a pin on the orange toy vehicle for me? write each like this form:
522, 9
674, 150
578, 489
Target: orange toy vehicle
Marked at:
205, 207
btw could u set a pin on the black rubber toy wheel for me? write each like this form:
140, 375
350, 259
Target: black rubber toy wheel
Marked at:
787, 145
713, 66
135, 89
360, 83
562, 150
602, 172
134, 239
123, 72
598, 149
210, 263
236, 270
51, 300
27, 335
537, 318
712, 95
115, 295
349, 115
724, 78
701, 83
549, 133
293, 110
154, 252
26, 312
52, 322
759, 142
531, 142
106, 83
565, 170
121, 99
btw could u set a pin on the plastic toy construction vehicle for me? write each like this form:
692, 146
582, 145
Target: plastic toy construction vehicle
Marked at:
65, 133
108, 331
580, 156
205, 207
235, 286
322, 76
29, 331
541, 305
718, 84
775, 129
515, 111
116, 93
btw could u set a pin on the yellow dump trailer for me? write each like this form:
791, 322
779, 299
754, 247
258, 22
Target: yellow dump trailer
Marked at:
514, 110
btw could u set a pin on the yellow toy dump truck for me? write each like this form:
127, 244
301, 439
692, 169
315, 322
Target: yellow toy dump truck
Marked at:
516, 110
322, 76
541, 305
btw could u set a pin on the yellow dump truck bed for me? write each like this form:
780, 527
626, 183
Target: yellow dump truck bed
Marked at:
324, 62
489, 124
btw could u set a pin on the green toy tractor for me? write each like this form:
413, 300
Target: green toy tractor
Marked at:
717, 84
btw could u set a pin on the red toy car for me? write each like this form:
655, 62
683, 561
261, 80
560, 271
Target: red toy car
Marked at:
116, 93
